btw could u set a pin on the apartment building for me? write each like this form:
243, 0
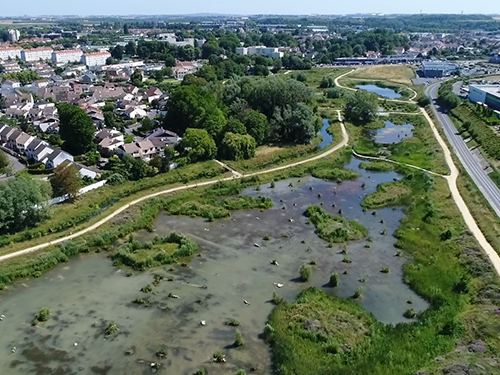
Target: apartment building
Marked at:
10, 53
35, 54
67, 56
260, 50
95, 59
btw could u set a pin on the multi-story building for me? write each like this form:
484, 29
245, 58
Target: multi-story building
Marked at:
14, 35
260, 50
10, 53
35, 54
67, 56
95, 59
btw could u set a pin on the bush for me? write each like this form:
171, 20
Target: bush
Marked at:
42, 316
238, 339
410, 314
112, 329
305, 273
219, 357
385, 270
358, 293
424, 101
334, 279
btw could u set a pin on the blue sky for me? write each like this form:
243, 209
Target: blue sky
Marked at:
123, 7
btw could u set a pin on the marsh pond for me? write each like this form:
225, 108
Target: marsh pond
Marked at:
102, 323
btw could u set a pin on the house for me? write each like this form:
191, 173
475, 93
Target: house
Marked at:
11, 140
10, 84
166, 135
83, 170
147, 148
129, 149
89, 78
109, 140
41, 154
56, 158
5, 132
154, 93
135, 112
34, 145
22, 142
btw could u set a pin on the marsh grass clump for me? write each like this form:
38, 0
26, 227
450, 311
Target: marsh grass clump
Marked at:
111, 329
161, 352
410, 314
147, 289
219, 357
200, 371
305, 273
312, 262
277, 300
334, 279
232, 323
385, 270
347, 260
358, 293
240, 372
42, 316
388, 194
333, 228
238, 341
267, 237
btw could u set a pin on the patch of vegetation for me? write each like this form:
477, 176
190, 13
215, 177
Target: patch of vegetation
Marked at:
232, 323
238, 341
334, 229
42, 316
357, 293
334, 174
163, 250
219, 357
334, 279
388, 194
377, 166
111, 329
410, 314
305, 273
319, 328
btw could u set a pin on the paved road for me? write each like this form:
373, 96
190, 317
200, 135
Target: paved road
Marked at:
16, 167
471, 164
236, 175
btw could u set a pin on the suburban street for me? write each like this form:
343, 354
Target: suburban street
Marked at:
470, 163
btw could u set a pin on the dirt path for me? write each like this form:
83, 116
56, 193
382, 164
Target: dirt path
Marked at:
236, 175
459, 201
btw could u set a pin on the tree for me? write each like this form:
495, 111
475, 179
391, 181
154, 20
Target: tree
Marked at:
76, 129
327, 82
66, 180
362, 107
136, 78
131, 48
162, 164
146, 125
197, 145
109, 119
256, 125
293, 124
234, 125
333, 93
237, 146
23, 203
134, 169
125, 29
117, 52
4, 162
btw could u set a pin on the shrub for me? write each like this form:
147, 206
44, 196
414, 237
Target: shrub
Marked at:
219, 357
334, 279
240, 372
385, 270
277, 300
232, 323
112, 329
42, 316
358, 293
305, 273
201, 371
410, 314
238, 341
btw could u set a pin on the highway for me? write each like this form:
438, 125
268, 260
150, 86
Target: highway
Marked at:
470, 163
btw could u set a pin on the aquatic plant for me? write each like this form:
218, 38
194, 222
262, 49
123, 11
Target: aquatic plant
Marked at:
232, 323
238, 341
42, 316
240, 372
277, 300
219, 357
385, 270
305, 273
111, 329
410, 314
358, 293
147, 289
267, 237
334, 279
200, 371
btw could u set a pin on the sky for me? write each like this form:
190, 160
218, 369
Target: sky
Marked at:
247, 7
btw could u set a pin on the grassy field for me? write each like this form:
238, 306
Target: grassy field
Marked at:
394, 73
315, 75
388, 194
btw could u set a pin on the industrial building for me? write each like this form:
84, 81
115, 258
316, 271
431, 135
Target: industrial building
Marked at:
438, 69
485, 94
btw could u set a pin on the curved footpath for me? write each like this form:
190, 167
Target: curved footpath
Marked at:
236, 175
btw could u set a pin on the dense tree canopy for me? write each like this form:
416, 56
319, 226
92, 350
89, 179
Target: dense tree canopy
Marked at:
293, 124
361, 107
76, 129
197, 145
237, 146
22, 203
4, 162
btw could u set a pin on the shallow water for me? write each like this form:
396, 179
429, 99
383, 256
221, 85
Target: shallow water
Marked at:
327, 137
382, 91
87, 293
392, 133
